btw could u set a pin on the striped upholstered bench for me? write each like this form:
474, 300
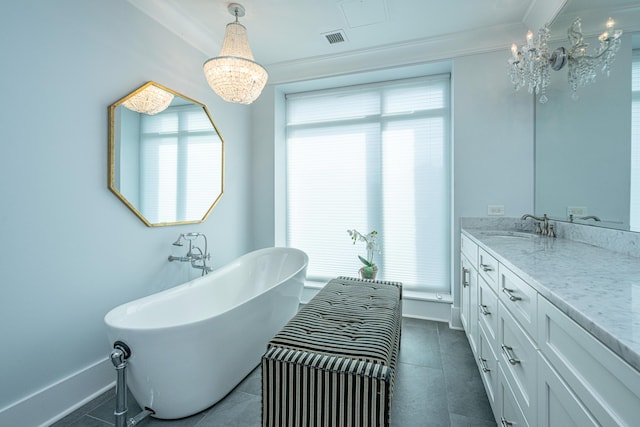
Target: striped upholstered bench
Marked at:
334, 363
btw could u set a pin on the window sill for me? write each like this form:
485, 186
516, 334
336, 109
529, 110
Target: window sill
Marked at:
410, 294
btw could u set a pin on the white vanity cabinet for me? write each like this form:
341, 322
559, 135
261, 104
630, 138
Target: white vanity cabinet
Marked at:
539, 367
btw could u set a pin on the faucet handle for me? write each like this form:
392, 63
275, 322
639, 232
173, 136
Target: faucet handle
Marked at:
538, 228
552, 231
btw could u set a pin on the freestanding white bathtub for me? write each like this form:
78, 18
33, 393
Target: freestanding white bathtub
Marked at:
192, 344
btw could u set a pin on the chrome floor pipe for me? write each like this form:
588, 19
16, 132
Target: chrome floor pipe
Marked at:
119, 355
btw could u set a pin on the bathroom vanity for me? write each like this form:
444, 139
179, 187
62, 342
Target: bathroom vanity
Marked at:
554, 325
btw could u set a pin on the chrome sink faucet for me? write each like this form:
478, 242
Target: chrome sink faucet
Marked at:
545, 230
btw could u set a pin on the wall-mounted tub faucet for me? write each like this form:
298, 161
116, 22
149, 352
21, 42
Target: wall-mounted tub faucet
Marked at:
202, 255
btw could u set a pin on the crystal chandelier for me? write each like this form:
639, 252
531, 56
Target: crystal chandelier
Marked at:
150, 100
531, 63
233, 74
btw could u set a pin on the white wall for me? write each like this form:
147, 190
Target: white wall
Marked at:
70, 249
493, 143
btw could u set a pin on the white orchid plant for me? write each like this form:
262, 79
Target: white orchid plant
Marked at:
372, 247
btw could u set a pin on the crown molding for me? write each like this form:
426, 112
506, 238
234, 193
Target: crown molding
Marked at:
420, 51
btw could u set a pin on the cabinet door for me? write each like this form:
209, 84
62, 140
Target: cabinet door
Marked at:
508, 408
469, 302
557, 404
605, 383
488, 364
518, 357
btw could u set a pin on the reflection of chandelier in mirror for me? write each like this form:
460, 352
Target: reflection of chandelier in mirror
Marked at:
531, 63
150, 100
233, 74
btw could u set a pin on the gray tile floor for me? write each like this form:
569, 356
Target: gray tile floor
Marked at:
437, 384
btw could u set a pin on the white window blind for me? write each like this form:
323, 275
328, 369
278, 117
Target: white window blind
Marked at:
177, 151
372, 157
634, 221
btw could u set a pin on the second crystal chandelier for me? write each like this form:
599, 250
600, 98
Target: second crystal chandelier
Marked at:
530, 64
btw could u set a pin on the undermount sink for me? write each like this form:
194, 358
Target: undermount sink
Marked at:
508, 234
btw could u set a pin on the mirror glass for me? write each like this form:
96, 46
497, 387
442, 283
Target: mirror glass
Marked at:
166, 156
583, 164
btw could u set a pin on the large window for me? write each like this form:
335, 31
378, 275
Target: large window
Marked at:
372, 157
634, 221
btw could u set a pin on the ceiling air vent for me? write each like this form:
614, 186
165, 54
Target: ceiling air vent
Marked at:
337, 36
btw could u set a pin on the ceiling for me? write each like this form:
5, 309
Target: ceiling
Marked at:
285, 31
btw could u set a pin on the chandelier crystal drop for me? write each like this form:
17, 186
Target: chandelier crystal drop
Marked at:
150, 100
530, 65
233, 74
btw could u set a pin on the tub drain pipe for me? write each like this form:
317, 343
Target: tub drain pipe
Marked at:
119, 356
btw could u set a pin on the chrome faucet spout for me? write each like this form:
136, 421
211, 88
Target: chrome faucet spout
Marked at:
544, 230
525, 216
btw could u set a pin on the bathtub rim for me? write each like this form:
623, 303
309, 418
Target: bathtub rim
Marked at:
117, 311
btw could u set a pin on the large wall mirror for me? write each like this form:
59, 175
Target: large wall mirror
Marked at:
166, 156
583, 146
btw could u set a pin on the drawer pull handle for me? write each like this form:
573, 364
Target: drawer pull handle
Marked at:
465, 277
504, 422
508, 351
510, 293
486, 267
483, 365
484, 310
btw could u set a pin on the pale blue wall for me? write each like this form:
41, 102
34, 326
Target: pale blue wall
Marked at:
70, 249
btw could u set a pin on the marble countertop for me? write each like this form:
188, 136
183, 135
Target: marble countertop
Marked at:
598, 288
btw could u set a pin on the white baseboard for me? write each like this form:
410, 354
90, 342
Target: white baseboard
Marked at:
455, 322
57, 400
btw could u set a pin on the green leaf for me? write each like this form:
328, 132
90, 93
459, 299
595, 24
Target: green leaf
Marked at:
365, 262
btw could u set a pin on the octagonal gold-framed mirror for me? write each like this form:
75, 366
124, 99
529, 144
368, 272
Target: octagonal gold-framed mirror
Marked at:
166, 156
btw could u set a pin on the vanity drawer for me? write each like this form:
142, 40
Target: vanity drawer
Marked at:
488, 364
488, 310
518, 357
519, 298
488, 267
558, 405
603, 382
469, 248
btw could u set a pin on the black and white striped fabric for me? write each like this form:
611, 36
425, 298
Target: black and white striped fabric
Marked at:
334, 363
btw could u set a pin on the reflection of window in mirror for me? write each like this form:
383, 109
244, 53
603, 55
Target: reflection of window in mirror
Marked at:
634, 220
176, 154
